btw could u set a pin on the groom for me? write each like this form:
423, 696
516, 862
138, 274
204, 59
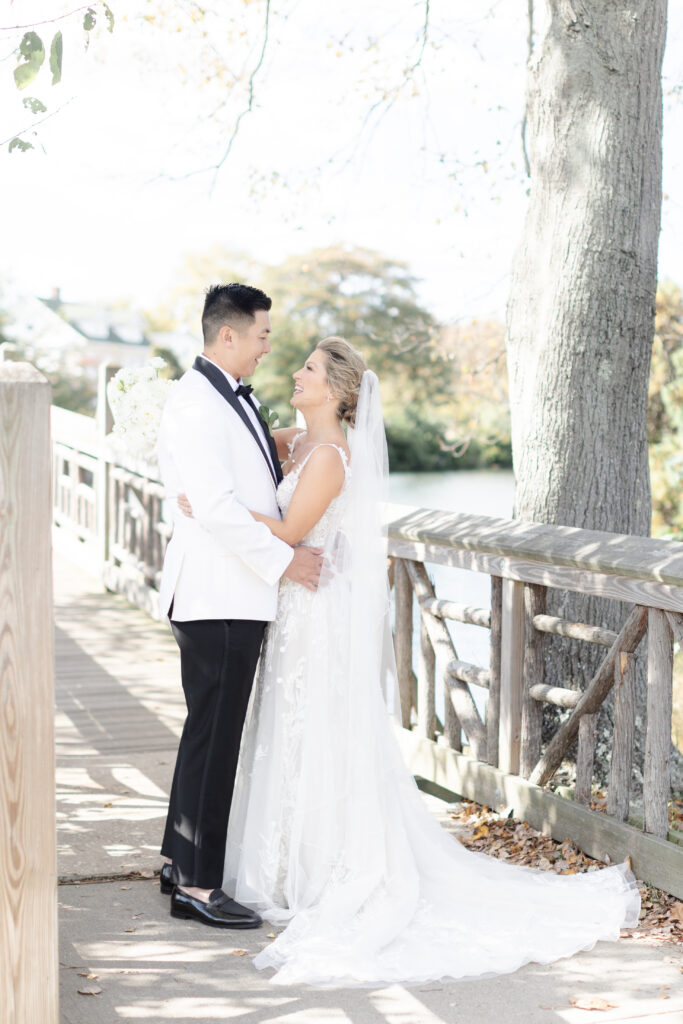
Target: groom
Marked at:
218, 586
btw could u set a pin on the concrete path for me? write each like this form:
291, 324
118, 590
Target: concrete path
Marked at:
120, 711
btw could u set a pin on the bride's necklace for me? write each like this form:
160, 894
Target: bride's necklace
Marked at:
305, 450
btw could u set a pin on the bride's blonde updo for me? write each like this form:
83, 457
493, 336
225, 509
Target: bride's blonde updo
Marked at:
345, 368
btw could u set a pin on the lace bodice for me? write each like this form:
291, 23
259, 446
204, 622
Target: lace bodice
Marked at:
318, 535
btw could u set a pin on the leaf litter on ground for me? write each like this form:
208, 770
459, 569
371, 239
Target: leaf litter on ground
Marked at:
505, 837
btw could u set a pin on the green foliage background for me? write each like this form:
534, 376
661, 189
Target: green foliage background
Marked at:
444, 389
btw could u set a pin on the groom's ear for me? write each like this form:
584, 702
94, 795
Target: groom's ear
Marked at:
225, 336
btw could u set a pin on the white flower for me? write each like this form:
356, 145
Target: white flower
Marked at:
137, 397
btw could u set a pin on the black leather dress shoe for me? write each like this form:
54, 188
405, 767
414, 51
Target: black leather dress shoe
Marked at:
165, 881
220, 912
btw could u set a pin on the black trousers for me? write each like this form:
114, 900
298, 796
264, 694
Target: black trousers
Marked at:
218, 659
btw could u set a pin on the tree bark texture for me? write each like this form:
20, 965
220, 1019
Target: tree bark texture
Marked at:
581, 310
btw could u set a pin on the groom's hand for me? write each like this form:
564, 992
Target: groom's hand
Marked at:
305, 567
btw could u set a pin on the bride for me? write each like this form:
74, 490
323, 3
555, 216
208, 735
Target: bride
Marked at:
328, 833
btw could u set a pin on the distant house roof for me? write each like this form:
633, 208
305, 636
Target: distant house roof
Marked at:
29, 323
101, 323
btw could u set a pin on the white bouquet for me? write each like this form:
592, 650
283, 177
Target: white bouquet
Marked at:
137, 396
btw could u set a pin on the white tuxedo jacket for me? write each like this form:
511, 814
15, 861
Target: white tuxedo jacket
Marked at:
222, 564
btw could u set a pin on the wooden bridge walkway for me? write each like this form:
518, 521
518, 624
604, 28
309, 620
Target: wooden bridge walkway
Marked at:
119, 714
120, 710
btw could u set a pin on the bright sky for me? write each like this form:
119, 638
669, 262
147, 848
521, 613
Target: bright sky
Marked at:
112, 203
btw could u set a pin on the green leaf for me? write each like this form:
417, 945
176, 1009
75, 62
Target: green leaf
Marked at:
31, 44
24, 74
269, 416
56, 58
19, 144
34, 105
109, 16
89, 20
33, 52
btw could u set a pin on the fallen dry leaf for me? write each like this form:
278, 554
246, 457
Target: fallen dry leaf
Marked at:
238, 952
92, 991
508, 839
85, 974
676, 912
592, 1003
129, 930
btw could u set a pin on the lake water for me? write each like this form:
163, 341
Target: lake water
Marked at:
477, 492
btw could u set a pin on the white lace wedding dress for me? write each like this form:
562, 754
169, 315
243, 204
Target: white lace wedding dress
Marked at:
329, 834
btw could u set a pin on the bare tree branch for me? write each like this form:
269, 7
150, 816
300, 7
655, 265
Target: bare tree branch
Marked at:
529, 51
250, 100
35, 124
49, 21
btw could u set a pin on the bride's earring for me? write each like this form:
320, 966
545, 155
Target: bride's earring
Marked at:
329, 398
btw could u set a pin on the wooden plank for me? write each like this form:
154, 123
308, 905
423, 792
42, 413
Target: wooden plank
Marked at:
511, 676
105, 424
657, 769
493, 703
472, 674
575, 630
460, 695
74, 430
621, 765
452, 729
628, 639
675, 620
620, 588
403, 639
585, 755
534, 675
458, 612
28, 880
641, 558
654, 860
560, 696
426, 710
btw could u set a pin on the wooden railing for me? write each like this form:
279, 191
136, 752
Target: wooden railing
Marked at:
112, 513
524, 560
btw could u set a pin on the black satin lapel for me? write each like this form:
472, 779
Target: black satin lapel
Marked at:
222, 385
271, 442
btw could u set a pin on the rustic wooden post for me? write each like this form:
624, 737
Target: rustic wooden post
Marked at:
403, 638
511, 676
28, 875
585, 756
452, 726
657, 775
534, 673
426, 711
442, 641
493, 703
105, 423
619, 794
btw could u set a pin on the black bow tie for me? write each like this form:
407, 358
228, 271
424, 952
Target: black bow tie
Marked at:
243, 390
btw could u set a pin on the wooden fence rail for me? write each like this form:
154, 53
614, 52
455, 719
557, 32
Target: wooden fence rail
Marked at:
504, 757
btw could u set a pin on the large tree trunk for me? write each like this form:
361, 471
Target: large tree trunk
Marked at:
581, 312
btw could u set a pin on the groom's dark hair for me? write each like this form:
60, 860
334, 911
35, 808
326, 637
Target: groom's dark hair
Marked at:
231, 304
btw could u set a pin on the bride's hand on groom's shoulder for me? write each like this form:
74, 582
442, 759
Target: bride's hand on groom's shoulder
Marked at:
184, 506
305, 566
